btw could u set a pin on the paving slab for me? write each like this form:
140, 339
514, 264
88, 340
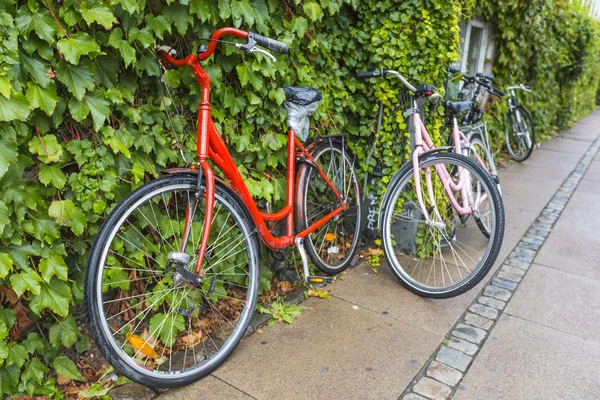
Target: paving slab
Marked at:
559, 299
523, 360
582, 131
382, 292
524, 191
580, 221
583, 254
593, 172
333, 348
587, 197
208, 388
564, 145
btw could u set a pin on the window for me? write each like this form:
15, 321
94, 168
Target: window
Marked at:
473, 46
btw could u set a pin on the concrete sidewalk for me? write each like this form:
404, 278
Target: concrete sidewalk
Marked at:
374, 339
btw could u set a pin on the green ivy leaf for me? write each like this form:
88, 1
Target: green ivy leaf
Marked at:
17, 354
45, 99
26, 280
313, 11
224, 9
98, 13
33, 343
51, 175
65, 367
106, 69
8, 152
94, 103
7, 315
54, 296
47, 148
158, 24
62, 211
299, 26
179, 15
79, 222
34, 371
79, 44
36, 68
17, 107
144, 36
6, 264
3, 346
127, 52
247, 75
42, 229
171, 78
201, 8
78, 78
64, 333
53, 265
242, 11
40, 21
9, 375
4, 220
166, 327
5, 86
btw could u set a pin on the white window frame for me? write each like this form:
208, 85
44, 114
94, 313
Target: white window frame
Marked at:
483, 47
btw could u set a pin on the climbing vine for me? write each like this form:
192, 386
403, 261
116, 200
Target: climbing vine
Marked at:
551, 45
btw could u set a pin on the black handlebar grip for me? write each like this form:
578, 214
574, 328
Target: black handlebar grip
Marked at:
369, 74
268, 43
498, 92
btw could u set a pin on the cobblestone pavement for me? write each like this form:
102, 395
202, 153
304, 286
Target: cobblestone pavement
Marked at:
531, 330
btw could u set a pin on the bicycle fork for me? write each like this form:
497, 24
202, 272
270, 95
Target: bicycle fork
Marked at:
181, 259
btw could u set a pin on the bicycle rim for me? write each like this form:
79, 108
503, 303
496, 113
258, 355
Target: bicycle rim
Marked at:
155, 327
449, 257
332, 246
519, 140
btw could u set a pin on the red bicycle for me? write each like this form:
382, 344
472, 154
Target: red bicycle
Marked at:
173, 275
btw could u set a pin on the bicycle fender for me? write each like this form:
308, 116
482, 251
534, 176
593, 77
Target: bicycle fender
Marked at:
436, 150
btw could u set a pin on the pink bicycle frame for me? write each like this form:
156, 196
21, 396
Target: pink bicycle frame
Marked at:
424, 143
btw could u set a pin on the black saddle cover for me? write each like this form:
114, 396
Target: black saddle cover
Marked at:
301, 95
301, 102
459, 107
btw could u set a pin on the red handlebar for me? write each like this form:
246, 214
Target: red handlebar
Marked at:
212, 45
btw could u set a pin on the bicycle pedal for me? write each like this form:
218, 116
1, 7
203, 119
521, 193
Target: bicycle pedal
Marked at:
496, 179
319, 279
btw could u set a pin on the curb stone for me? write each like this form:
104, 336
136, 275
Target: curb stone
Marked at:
457, 354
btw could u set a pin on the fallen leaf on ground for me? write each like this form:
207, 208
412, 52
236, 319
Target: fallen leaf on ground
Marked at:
284, 287
320, 293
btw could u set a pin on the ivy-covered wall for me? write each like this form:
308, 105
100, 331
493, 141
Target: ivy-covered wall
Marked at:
551, 45
82, 124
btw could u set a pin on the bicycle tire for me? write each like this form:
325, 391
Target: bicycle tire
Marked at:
478, 146
408, 248
114, 347
311, 188
509, 131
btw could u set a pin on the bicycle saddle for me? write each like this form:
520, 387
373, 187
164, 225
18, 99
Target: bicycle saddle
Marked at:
301, 95
489, 77
458, 107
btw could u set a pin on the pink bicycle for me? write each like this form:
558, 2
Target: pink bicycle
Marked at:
441, 218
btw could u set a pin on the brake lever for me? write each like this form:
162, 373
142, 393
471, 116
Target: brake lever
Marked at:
263, 52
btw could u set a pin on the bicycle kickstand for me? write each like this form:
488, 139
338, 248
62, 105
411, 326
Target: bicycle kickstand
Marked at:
299, 242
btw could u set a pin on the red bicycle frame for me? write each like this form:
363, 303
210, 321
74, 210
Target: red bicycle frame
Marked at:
212, 147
